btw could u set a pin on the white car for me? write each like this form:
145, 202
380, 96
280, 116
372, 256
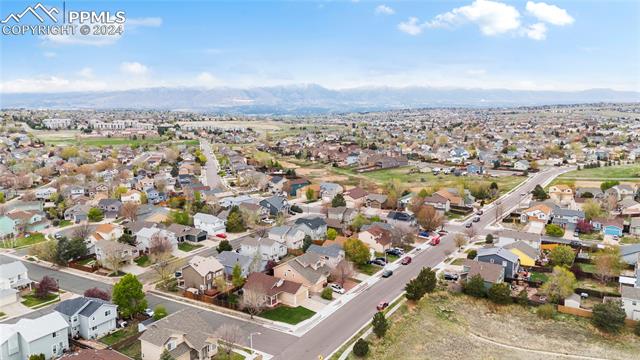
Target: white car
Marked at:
269, 221
149, 312
336, 288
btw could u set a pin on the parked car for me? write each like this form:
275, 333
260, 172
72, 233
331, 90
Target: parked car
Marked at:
406, 260
149, 312
383, 305
58, 236
387, 273
435, 241
395, 252
476, 219
336, 288
452, 277
378, 261
221, 236
178, 274
423, 233
480, 212
269, 221
468, 225
442, 232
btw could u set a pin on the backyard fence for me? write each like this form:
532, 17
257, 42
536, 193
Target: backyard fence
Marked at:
588, 314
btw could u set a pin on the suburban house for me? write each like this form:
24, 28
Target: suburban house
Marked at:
332, 254
634, 226
110, 207
13, 277
439, 202
266, 248
23, 221
398, 218
341, 216
454, 199
291, 236
291, 187
275, 291
145, 236
539, 212
209, 223
375, 201
354, 197
108, 251
184, 334
563, 217
490, 273
501, 256
621, 191
77, 213
561, 194
525, 253
376, 238
275, 205
187, 233
201, 273
608, 226
44, 335
45, 193
314, 227
308, 269
229, 259
131, 196
329, 190
521, 165
111, 232
630, 297
629, 207
88, 318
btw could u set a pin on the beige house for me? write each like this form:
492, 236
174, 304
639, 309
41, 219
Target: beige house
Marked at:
308, 269
184, 334
376, 238
201, 273
275, 291
561, 194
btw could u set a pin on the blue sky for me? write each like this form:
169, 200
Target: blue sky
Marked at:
562, 45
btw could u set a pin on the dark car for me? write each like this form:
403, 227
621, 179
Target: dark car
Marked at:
423, 233
378, 261
387, 273
480, 212
406, 260
468, 225
452, 277
476, 219
383, 305
395, 252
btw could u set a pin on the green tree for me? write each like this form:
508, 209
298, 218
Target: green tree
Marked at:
562, 255
310, 194
560, 285
68, 250
474, 286
37, 357
539, 193
554, 230
128, 295
608, 263
414, 290
379, 324
119, 191
2, 199
523, 297
358, 221
361, 348
609, 316
235, 221
592, 209
327, 293
428, 279
95, 215
306, 242
356, 251
488, 239
180, 217
236, 276
472, 254
338, 201
166, 355
331, 234
606, 185
224, 245
500, 293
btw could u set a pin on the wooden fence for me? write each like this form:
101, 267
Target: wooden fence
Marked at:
211, 300
588, 314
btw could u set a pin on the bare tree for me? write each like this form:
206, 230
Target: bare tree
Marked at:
160, 249
471, 233
498, 211
231, 335
428, 218
129, 211
460, 240
114, 260
81, 232
253, 298
343, 271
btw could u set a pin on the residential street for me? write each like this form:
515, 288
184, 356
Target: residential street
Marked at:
212, 179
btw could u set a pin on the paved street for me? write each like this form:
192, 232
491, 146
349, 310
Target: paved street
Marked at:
212, 178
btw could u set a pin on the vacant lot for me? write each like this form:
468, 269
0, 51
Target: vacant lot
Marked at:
446, 326
112, 141
605, 172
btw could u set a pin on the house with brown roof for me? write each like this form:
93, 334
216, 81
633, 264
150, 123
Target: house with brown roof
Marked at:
201, 273
376, 238
274, 290
538, 212
489, 272
453, 198
561, 194
308, 269
355, 197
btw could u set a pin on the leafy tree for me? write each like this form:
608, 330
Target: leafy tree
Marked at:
327, 293
539, 193
224, 245
180, 217
489, 239
166, 355
331, 234
338, 201
554, 230
523, 297
95, 215
361, 348
128, 295
45, 286
414, 290
500, 293
235, 221
472, 254
356, 251
562, 255
127, 239
2, 199
68, 250
427, 278
380, 324
159, 312
42, 357
97, 293
474, 286
236, 276
608, 263
428, 218
560, 285
358, 221
609, 316
306, 242
606, 185
310, 194
584, 226
592, 209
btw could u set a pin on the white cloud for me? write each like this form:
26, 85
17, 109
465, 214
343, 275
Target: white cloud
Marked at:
143, 22
50, 84
549, 13
49, 54
207, 79
411, 26
537, 31
492, 17
86, 72
476, 72
133, 68
78, 39
384, 10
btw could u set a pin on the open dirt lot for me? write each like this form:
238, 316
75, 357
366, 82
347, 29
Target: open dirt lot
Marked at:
446, 326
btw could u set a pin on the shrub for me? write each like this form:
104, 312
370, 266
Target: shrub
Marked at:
327, 294
546, 311
37, 357
361, 348
97, 293
472, 254
159, 312
562, 255
474, 286
523, 298
608, 316
554, 230
636, 329
500, 293
489, 239
380, 324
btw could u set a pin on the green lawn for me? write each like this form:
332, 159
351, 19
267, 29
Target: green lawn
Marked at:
588, 268
186, 246
611, 287
368, 269
605, 172
64, 223
630, 240
87, 262
133, 351
119, 335
537, 276
596, 236
458, 261
32, 301
22, 241
287, 314
143, 261
223, 356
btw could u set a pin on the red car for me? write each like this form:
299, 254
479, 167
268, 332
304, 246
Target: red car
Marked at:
406, 260
435, 241
222, 236
383, 305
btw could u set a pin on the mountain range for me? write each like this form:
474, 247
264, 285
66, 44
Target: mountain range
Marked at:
306, 99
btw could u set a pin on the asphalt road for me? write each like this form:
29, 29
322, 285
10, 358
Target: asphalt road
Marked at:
211, 167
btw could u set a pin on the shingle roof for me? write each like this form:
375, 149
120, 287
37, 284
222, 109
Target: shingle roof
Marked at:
501, 252
12, 269
489, 272
332, 251
188, 322
630, 292
311, 222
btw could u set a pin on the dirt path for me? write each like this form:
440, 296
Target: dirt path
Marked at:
541, 352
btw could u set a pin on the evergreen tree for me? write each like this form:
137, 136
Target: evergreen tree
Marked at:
380, 324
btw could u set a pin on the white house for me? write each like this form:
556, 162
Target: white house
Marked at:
267, 249
13, 276
45, 192
209, 223
131, 196
145, 235
291, 236
88, 318
630, 297
44, 335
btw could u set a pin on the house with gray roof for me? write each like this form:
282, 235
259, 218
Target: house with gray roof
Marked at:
309, 270
184, 334
275, 205
630, 253
332, 254
564, 217
501, 256
43, 335
315, 227
630, 297
490, 273
291, 236
229, 259
88, 318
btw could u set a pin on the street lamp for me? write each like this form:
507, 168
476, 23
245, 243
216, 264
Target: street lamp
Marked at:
251, 339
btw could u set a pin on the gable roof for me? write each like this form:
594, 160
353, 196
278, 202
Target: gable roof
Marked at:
203, 265
332, 251
187, 322
524, 248
500, 252
312, 222
271, 285
488, 271
12, 269
33, 329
